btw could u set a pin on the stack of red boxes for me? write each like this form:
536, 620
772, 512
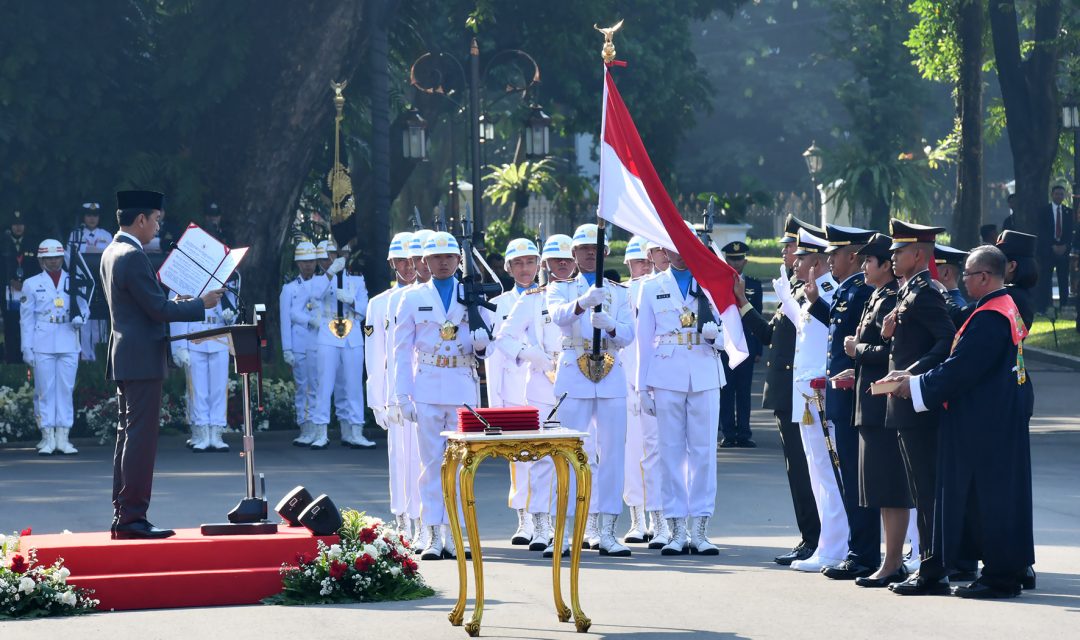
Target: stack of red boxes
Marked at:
505, 418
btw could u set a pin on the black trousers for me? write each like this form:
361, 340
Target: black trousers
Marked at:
919, 449
864, 523
735, 399
139, 403
798, 474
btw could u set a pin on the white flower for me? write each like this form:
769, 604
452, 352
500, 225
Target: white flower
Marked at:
26, 585
66, 598
370, 550
64, 573
395, 571
335, 552
66, 532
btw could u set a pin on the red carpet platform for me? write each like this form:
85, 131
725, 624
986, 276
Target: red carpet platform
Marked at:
186, 570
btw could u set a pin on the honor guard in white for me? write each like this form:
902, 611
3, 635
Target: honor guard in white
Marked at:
811, 351
433, 336
298, 324
207, 366
376, 351
341, 299
531, 340
506, 379
657, 257
679, 377
411, 470
596, 406
90, 238
50, 346
643, 475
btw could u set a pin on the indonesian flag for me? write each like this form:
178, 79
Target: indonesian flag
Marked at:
632, 197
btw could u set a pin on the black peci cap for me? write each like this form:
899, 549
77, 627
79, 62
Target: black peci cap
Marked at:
140, 200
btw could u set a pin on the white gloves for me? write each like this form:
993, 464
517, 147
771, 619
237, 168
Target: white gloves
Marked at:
480, 339
346, 296
28, 357
536, 357
313, 321
592, 297
290, 359
784, 274
710, 332
380, 417
228, 315
648, 404
602, 320
78, 321
182, 357
405, 408
337, 266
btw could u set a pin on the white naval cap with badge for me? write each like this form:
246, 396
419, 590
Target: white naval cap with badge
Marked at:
304, 250
399, 246
636, 249
558, 246
519, 248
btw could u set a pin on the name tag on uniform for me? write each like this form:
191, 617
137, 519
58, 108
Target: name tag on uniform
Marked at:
663, 295
544, 312
826, 286
505, 317
426, 309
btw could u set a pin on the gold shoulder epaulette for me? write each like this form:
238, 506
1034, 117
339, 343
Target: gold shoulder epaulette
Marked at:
617, 284
535, 290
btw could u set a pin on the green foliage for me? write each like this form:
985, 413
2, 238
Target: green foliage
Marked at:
732, 207
500, 232
509, 182
904, 184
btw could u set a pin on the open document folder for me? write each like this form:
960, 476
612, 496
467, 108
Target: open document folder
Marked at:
199, 263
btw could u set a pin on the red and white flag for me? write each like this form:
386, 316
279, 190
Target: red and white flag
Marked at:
632, 197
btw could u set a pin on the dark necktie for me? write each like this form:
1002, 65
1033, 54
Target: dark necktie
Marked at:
1057, 222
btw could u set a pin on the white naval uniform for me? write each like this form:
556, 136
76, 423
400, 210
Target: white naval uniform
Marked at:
643, 478
340, 360
685, 375
506, 388
94, 332
45, 323
207, 370
409, 460
298, 337
438, 374
375, 361
811, 352
598, 408
530, 324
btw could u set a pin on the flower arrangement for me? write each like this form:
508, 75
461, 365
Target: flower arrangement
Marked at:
371, 563
17, 416
29, 590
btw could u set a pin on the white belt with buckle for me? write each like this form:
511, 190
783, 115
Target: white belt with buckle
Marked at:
690, 338
446, 362
584, 344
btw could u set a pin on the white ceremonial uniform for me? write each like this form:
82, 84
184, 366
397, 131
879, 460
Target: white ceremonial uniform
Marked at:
340, 360
598, 408
45, 323
94, 332
529, 324
409, 461
506, 388
298, 336
376, 332
207, 370
811, 352
643, 478
437, 371
685, 375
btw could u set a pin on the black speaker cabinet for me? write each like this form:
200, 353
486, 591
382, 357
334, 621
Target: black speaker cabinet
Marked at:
293, 504
321, 517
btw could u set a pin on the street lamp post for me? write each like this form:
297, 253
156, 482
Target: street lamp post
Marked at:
1070, 118
481, 126
812, 156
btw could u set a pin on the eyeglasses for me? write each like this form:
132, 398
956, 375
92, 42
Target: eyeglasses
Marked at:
971, 273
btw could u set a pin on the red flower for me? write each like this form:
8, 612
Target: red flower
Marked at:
368, 535
25, 532
364, 562
409, 566
305, 558
19, 564
338, 569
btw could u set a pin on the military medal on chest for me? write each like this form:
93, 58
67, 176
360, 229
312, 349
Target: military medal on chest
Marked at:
58, 302
448, 330
687, 318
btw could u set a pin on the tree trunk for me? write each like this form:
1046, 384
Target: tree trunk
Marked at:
967, 213
263, 149
518, 152
375, 239
1029, 93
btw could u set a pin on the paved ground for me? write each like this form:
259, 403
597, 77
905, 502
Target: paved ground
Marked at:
739, 594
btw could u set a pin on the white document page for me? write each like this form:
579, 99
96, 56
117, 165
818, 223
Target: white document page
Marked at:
199, 263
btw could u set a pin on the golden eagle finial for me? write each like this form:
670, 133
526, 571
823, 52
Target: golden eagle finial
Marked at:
608, 52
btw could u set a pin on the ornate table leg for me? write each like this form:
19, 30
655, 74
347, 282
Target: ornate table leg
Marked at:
467, 474
449, 475
584, 490
562, 474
